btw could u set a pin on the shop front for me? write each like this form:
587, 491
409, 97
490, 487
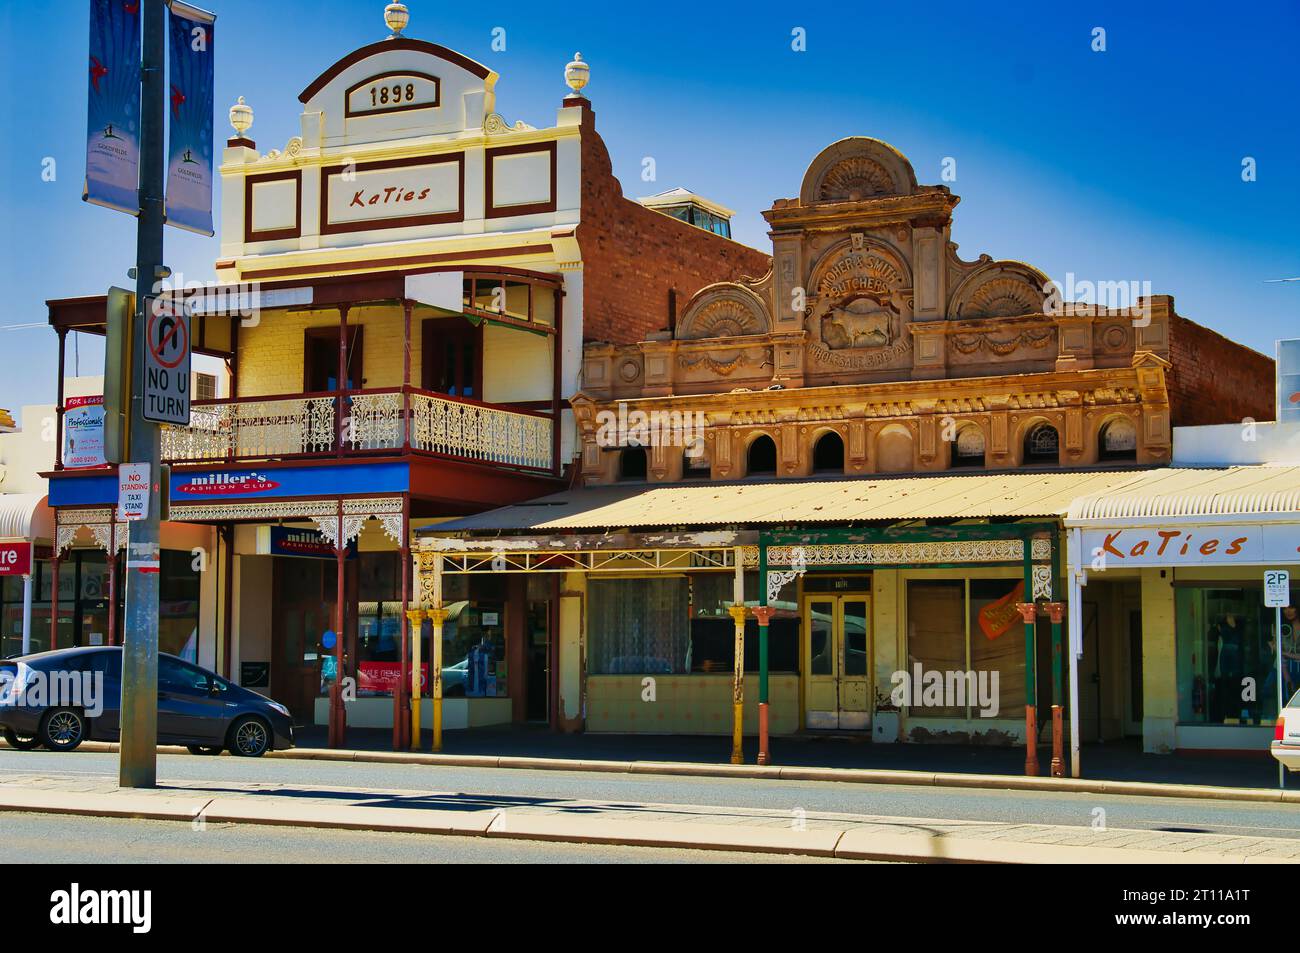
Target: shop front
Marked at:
1197, 543
915, 626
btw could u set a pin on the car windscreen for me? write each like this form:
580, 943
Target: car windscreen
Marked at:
1295, 701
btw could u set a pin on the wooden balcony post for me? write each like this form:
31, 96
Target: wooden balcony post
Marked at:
58, 407
557, 382
407, 306
341, 383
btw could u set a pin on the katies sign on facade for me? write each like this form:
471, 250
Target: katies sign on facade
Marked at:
398, 192
1210, 545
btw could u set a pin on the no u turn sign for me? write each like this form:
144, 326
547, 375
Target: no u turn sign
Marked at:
167, 365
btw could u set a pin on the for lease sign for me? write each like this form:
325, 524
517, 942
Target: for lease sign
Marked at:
1182, 545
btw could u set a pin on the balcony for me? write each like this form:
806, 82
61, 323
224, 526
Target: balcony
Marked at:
392, 420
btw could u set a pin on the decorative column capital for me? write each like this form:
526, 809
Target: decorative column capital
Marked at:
437, 616
737, 612
764, 614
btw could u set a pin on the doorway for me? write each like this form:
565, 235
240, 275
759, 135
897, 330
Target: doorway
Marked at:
320, 367
837, 656
452, 357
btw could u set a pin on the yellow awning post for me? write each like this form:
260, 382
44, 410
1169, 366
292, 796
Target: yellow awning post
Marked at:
437, 615
738, 687
416, 617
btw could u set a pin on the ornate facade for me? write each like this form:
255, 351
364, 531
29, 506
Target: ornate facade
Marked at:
870, 327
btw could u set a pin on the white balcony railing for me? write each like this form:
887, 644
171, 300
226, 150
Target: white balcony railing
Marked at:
279, 427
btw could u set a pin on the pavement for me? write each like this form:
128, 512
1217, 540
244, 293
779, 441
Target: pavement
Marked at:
1117, 768
578, 820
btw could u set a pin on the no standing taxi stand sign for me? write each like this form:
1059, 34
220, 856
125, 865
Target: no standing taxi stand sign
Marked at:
1277, 596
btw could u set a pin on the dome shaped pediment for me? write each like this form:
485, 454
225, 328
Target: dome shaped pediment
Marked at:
857, 169
721, 311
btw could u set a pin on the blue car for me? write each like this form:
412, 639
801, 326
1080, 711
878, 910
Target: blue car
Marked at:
61, 698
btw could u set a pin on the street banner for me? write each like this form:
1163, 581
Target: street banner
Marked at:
189, 153
113, 106
83, 432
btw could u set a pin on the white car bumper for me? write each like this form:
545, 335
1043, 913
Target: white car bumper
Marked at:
1289, 755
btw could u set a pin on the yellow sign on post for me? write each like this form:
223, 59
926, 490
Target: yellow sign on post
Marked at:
119, 322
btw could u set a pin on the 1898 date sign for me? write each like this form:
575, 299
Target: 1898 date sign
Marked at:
167, 366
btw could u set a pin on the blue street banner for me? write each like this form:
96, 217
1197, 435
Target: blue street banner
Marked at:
113, 106
190, 99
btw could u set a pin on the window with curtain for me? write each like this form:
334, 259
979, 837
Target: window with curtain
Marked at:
638, 626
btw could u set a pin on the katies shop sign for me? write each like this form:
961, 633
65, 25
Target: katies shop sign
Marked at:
227, 484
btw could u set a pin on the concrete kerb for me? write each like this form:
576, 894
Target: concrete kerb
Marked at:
843, 775
839, 843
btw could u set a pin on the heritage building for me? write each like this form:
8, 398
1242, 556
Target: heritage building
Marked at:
403, 292
845, 479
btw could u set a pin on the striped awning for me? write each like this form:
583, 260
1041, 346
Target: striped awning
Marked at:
25, 516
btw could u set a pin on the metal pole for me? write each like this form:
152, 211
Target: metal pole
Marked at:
138, 757
1058, 660
111, 565
764, 615
1277, 639
27, 612
1075, 640
437, 616
1031, 700
737, 611
337, 719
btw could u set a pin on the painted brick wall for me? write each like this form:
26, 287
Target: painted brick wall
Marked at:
271, 352
632, 256
1214, 380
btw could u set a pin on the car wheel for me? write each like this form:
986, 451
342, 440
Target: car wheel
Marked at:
250, 737
21, 742
205, 749
62, 729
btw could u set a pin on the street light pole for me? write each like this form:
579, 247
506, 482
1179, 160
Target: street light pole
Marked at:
138, 757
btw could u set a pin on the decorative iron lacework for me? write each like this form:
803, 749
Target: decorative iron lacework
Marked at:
108, 534
885, 554
1042, 579
268, 510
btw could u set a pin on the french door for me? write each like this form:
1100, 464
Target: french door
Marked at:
837, 661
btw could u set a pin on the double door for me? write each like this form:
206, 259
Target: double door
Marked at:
837, 661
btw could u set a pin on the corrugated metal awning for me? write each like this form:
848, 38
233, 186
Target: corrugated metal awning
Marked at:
25, 516
1257, 491
1009, 495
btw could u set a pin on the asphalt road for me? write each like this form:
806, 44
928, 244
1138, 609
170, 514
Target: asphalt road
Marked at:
63, 839
504, 787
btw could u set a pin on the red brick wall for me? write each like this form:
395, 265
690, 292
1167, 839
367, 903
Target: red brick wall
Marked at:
633, 256
1214, 380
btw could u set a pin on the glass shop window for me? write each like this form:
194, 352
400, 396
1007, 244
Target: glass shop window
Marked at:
639, 626
713, 632
940, 613
474, 650
1226, 641
379, 622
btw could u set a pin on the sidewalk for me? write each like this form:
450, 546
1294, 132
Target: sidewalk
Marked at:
1117, 761
789, 831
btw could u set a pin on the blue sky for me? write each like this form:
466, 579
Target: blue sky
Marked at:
1118, 165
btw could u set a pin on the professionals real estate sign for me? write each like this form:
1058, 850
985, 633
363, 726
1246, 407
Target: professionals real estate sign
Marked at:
113, 106
83, 432
190, 100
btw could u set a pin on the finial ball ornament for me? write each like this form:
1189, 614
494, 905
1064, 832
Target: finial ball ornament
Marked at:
396, 16
241, 117
576, 74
